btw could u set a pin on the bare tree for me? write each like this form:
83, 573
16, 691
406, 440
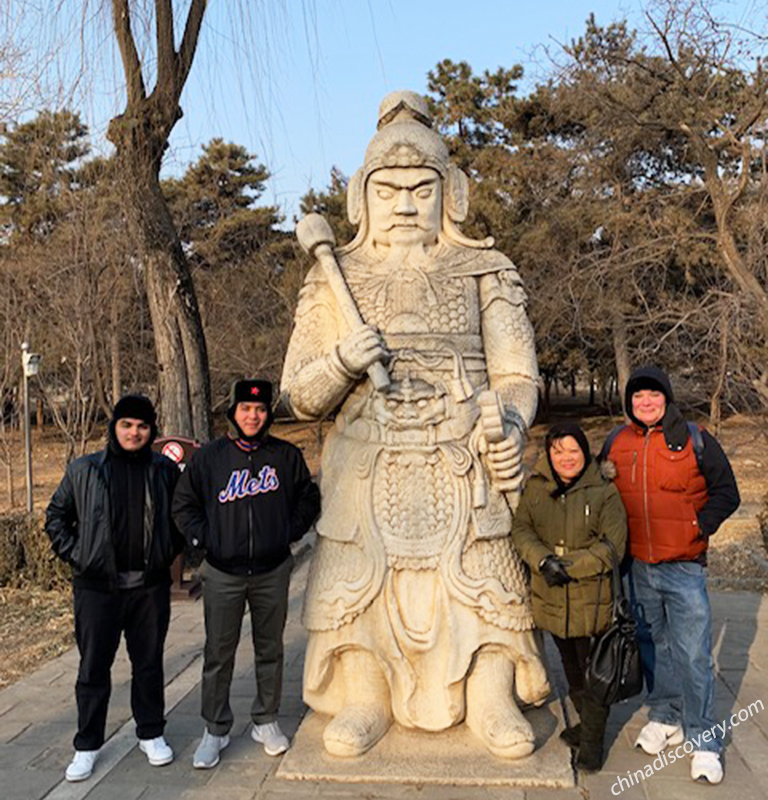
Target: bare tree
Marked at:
9, 378
140, 135
689, 98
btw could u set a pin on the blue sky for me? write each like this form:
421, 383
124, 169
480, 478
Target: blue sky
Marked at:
311, 102
298, 82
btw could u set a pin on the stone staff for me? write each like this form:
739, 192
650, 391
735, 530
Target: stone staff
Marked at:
316, 238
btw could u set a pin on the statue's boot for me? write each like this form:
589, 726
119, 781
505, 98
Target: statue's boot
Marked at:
531, 681
355, 730
492, 714
367, 713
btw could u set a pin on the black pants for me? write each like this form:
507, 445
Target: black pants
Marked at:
224, 599
574, 653
100, 618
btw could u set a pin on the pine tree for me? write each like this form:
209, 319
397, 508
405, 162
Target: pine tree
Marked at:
38, 167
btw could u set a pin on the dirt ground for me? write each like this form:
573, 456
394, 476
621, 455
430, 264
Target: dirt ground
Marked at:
36, 626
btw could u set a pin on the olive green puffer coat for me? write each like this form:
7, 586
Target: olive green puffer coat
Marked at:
571, 526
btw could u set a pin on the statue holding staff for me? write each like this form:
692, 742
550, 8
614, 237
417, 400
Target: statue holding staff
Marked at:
417, 337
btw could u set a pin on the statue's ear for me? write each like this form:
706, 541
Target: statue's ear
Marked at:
456, 194
355, 198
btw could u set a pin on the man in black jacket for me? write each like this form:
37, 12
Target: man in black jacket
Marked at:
244, 498
110, 518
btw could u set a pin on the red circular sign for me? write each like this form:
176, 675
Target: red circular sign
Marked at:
174, 451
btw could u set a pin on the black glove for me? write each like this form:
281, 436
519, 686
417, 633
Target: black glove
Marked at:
554, 572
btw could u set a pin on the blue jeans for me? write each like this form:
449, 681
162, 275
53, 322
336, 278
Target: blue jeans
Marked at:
674, 618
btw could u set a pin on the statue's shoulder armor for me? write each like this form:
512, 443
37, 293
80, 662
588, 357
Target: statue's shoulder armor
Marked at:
315, 291
466, 261
352, 262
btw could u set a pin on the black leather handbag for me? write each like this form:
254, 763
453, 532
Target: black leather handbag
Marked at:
614, 670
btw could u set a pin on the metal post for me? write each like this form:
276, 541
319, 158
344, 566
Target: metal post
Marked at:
27, 433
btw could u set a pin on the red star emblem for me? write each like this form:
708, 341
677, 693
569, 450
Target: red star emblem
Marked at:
255, 390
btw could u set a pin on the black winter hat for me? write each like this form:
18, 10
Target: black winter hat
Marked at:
673, 423
648, 377
133, 406
250, 390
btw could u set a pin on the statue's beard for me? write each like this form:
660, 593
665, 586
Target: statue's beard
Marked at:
405, 256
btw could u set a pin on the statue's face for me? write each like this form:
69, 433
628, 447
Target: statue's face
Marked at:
404, 206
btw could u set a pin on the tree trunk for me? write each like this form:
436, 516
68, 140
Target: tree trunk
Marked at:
8, 458
114, 354
183, 375
744, 278
620, 352
173, 379
715, 411
9, 483
100, 371
548, 378
723, 203
140, 136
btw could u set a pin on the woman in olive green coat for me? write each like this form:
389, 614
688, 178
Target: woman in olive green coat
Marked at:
566, 512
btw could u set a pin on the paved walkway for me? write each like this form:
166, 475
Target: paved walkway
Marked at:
37, 721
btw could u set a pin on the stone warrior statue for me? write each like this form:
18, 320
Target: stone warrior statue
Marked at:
417, 605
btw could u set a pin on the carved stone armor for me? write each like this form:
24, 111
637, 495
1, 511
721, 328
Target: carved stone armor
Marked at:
414, 563
401, 470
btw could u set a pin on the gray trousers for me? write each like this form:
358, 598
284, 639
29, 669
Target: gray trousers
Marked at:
224, 599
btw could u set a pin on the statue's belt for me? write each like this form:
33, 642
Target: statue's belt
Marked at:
427, 437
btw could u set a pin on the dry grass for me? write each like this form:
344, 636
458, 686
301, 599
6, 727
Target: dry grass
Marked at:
35, 626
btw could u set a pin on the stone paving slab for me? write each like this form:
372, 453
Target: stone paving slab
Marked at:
37, 719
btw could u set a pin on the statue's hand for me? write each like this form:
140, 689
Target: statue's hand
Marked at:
361, 348
505, 460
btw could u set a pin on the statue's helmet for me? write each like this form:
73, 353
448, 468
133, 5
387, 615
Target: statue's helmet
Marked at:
405, 138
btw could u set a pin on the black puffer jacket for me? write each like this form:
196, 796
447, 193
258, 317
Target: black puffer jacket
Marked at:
78, 522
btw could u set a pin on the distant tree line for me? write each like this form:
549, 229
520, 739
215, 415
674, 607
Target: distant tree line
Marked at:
631, 190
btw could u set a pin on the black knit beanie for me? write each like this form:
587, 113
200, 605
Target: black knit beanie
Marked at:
133, 406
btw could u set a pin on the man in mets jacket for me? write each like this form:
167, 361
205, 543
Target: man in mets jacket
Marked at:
244, 498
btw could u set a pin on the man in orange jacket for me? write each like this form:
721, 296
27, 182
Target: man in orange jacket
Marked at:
678, 487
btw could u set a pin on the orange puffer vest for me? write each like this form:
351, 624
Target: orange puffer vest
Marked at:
662, 490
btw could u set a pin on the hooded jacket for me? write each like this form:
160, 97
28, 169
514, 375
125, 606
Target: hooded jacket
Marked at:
673, 505
571, 525
78, 522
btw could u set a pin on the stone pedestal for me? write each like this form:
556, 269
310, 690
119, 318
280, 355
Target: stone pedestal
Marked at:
454, 757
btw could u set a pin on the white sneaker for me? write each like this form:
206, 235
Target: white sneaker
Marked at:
655, 736
707, 765
158, 751
273, 739
208, 751
81, 766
